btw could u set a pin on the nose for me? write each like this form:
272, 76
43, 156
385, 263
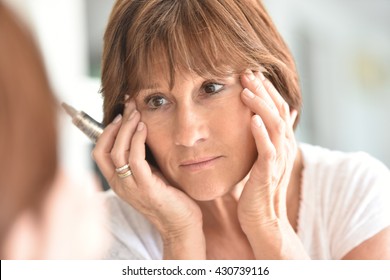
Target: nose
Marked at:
190, 126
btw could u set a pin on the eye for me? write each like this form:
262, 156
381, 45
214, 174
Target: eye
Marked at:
155, 102
212, 88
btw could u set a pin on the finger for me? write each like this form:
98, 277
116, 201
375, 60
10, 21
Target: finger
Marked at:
272, 91
102, 151
262, 174
268, 173
253, 81
121, 146
262, 87
140, 167
282, 106
275, 125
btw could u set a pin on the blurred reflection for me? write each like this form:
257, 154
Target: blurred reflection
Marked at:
42, 214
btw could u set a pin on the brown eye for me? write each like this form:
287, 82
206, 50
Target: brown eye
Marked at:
212, 88
155, 102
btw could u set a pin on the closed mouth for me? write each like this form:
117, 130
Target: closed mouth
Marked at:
200, 163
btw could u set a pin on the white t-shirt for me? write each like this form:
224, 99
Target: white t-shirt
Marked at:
345, 200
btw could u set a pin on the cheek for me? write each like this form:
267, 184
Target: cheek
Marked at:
158, 141
229, 124
237, 118
238, 135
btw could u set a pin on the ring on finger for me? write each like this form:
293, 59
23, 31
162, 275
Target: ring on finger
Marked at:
125, 168
125, 174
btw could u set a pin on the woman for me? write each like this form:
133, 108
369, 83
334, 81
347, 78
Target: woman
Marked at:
207, 92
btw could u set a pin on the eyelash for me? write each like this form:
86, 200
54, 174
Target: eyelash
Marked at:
212, 84
149, 99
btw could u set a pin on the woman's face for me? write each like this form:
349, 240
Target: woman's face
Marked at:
199, 132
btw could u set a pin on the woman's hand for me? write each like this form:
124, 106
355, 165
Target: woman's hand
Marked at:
176, 216
262, 206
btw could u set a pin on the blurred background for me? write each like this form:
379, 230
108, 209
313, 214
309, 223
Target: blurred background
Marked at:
341, 47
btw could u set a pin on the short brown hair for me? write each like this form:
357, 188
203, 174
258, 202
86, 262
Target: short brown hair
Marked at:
207, 37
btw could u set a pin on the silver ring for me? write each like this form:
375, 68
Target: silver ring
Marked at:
126, 174
122, 168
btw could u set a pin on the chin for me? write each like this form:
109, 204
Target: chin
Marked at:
207, 190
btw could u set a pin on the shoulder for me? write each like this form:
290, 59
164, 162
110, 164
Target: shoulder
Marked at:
345, 197
339, 177
132, 236
357, 168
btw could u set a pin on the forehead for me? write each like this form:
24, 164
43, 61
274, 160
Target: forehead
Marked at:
159, 70
163, 54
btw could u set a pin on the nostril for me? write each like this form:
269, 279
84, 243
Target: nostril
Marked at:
189, 136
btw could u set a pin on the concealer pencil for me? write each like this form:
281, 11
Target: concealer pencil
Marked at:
84, 122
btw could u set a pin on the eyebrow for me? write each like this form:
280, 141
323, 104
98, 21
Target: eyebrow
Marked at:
156, 85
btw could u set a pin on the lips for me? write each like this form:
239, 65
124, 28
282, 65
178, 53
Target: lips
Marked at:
200, 163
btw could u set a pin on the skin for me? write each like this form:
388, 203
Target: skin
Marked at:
191, 135
241, 204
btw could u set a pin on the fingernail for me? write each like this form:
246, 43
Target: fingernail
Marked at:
250, 76
258, 121
127, 97
117, 118
140, 126
262, 77
248, 93
133, 114
294, 114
